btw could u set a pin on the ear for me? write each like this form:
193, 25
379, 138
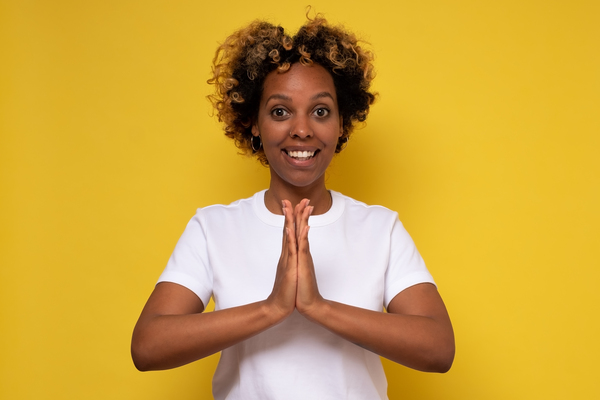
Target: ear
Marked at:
341, 126
255, 131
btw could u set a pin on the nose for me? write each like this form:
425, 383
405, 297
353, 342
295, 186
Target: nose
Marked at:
301, 128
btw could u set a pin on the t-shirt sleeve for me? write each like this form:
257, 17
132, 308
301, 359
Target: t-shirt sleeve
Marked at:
406, 266
188, 265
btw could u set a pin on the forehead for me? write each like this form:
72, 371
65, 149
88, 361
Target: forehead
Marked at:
299, 80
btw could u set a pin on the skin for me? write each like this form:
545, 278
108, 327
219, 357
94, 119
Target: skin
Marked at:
298, 111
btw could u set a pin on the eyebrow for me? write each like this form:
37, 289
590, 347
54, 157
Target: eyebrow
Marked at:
279, 96
321, 95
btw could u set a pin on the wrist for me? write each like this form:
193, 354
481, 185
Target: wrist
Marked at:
273, 312
317, 311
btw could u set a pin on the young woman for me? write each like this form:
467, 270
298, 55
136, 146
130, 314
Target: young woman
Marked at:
299, 274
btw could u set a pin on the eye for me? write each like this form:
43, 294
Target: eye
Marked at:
321, 112
279, 112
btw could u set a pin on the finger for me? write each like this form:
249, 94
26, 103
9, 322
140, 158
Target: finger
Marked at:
292, 254
307, 294
303, 244
283, 210
284, 247
289, 223
300, 217
306, 213
289, 215
304, 256
292, 248
286, 206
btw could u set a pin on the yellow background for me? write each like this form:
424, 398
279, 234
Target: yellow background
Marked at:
485, 139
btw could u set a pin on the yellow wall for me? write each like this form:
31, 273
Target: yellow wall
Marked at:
485, 139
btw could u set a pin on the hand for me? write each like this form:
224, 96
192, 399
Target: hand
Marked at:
307, 292
283, 296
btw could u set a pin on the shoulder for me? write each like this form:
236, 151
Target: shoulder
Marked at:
218, 217
222, 212
353, 207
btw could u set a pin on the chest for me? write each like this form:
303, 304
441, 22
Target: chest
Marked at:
350, 264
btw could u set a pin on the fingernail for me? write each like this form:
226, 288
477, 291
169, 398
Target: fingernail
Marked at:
310, 211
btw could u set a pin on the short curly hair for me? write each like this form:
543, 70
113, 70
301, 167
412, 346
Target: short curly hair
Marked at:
244, 60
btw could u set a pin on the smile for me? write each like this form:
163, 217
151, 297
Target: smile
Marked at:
301, 155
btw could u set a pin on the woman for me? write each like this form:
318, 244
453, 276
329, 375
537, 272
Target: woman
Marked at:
298, 309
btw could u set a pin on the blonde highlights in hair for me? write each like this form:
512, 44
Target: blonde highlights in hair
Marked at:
245, 58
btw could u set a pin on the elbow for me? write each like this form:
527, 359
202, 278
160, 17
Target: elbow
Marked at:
141, 355
443, 360
443, 365
140, 365
436, 358
139, 360
439, 363
442, 355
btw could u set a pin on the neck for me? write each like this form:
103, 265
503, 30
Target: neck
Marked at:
317, 193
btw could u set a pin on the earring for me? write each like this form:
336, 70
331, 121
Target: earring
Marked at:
344, 143
255, 147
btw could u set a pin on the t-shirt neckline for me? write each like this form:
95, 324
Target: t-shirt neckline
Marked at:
263, 213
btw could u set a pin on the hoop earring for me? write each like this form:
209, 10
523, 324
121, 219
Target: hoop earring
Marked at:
255, 147
344, 142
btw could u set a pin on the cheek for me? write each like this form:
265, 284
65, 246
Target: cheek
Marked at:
334, 131
272, 130
271, 138
271, 143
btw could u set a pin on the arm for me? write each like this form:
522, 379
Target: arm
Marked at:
173, 331
416, 331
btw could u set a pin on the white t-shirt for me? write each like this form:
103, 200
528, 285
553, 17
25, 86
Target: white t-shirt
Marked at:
363, 257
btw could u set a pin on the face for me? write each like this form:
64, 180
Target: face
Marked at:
299, 124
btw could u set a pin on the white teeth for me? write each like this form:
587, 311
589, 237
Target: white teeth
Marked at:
301, 155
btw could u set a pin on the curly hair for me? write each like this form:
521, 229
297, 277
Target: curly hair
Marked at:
244, 60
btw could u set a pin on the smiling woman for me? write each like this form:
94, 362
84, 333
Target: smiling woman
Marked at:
244, 60
299, 126
295, 321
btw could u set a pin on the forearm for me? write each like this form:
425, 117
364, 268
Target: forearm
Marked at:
168, 341
173, 331
419, 342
